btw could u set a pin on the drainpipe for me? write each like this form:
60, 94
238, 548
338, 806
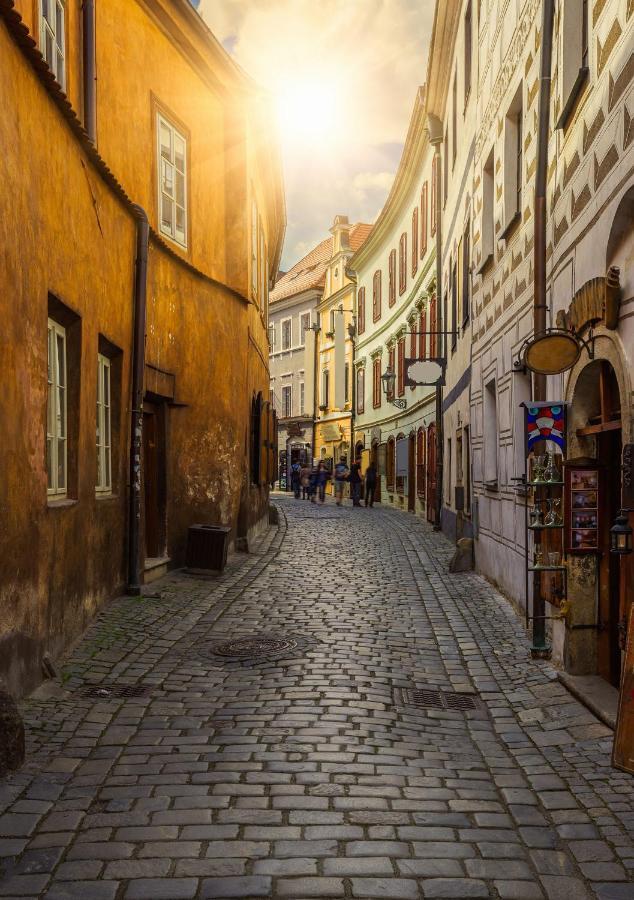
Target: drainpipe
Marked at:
136, 419
434, 130
539, 284
90, 69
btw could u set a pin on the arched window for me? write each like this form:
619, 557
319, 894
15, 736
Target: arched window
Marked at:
420, 462
389, 463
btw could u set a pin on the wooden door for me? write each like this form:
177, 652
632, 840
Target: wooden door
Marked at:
431, 474
411, 474
153, 481
374, 456
610, 613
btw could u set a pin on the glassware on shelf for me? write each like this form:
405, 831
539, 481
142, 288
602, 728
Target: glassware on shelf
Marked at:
552, 516
538, 467
538, 557
551, 472
535, 516
554, 558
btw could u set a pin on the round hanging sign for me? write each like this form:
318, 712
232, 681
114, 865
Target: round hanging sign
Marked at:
552, 352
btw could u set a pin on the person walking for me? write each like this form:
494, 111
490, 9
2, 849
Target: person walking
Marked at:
370, 484
341, 476
355, 482
323, 477
313, 483
295, 479
305, 480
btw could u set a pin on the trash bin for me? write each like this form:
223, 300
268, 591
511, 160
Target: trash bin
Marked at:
207, 547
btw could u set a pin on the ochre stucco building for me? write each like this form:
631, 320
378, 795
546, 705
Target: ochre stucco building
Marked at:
143, 115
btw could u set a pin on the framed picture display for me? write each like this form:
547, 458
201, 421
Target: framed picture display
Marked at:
583, 502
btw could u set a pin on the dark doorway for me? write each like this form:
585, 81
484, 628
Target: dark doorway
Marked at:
411, 474
154, 479
609, 653
431, 473
374, 459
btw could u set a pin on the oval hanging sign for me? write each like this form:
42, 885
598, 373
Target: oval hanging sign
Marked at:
552, 352
423, 371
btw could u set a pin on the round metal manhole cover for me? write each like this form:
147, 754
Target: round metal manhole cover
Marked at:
251, 647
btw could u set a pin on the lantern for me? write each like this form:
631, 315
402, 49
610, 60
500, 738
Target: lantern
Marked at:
621, 535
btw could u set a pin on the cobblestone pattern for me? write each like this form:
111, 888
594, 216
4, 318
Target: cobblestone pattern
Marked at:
304, 776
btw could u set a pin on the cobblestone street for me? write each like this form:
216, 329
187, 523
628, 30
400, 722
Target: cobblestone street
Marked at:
310, 772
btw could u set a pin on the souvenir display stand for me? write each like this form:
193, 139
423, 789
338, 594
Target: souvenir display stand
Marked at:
545, 549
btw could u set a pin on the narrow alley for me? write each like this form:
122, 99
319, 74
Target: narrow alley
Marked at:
384, 734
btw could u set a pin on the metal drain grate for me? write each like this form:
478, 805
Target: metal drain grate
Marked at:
432, 698
253, 647
115, 691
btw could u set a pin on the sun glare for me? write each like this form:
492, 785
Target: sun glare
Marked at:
308, 109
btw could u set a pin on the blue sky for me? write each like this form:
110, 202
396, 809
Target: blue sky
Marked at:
347, 71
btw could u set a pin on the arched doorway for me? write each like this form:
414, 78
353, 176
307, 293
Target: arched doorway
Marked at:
431, 473
594, 434
411, 473
374, 459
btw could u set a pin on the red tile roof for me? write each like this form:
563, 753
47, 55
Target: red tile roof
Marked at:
310, 271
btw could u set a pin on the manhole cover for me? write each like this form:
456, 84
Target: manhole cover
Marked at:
431, 698
251, 647
115, 691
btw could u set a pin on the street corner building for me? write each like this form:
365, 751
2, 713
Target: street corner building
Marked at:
141, 214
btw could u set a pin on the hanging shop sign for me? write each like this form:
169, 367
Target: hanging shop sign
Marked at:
545, 421
598, 300
551, 352
583, 506
424, 371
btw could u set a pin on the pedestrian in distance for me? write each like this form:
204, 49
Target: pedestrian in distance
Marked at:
296, 479
313, 483
342, 473
323, 477
355, 482
305, 480
370, 484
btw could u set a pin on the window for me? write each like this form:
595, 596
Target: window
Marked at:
468, 38
402, 264
287, 401
304, 326
422, 337
453, 274
272, 336
454, 122
392, 278
325, 389
52, 37
376, 383
172, 189
575, 61
413, 339
488, 189
346, 383
490, 435
513, 163
466, 274
302, 401
391, 365
286, 334
434, 343
420, 462
376, 296
361, 310
401, 367
414, 241
56, 421
104, 425
360, 389
434, 194
423, 221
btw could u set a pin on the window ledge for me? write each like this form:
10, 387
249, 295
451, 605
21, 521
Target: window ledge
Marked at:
103, 496
61, 503
485, 262
508, 229
582, 78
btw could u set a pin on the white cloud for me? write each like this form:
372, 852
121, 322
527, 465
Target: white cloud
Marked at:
372, 54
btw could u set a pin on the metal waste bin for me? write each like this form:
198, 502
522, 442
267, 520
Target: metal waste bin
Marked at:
207, 547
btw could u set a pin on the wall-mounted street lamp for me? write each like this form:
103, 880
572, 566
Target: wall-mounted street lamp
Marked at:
621, 534
388, 380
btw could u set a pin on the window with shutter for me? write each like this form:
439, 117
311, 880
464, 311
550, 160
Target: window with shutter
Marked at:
376, 296
414, 241
360, 390
376, 383
401, 367
434, 197
433, 328
391, 365
392, 278
422, 338
423, 221
361, 310
402, 264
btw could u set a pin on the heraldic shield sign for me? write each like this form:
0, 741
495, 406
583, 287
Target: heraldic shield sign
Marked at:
424, 371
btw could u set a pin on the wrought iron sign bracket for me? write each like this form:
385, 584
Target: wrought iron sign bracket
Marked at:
400, 404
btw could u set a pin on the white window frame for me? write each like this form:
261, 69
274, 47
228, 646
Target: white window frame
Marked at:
104, 426
302, 398
302, 331
57, 415
167, 165
513, 137
287, 391
272, 336
53, 28
290, 333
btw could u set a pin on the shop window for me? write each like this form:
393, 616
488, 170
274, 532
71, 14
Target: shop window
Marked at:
172, 187
53, 37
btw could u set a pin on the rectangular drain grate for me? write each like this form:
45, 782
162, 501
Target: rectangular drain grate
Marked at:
432, 698
116, 691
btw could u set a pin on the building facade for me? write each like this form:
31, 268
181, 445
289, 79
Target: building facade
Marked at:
138, 404
396, 309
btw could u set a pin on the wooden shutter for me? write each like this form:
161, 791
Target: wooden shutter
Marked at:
392, 278
361, 310
376, 296
401, 367
414, 241
423, 221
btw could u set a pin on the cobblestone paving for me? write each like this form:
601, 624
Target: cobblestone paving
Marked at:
309, 773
